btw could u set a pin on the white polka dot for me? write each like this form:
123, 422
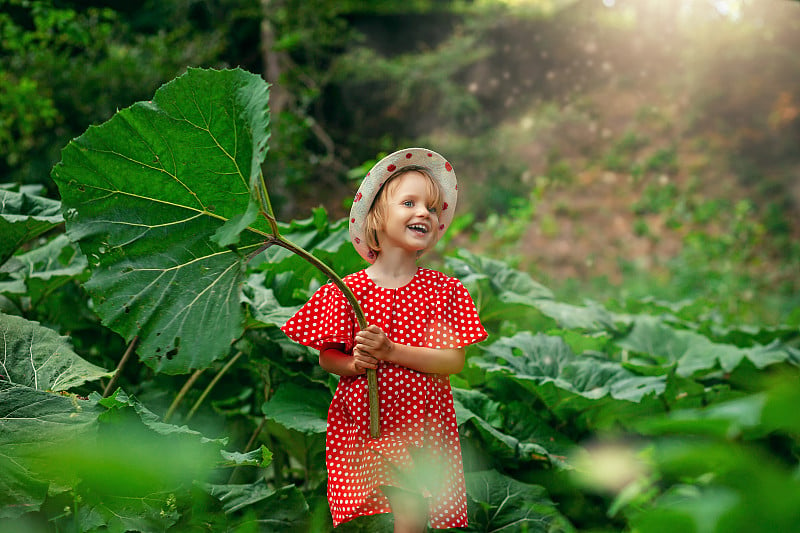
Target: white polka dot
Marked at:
433, 310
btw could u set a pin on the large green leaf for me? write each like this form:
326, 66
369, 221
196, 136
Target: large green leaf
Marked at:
151, 194
136, 468
34, 424
478, 418
748, 489
156, 511
36, 274
694, 353
752, 416
500, 503
34, 359
541, 359
261, 457
112, 453
264, 306
267, 509
23, 216
302, 409
39, 358
502, 293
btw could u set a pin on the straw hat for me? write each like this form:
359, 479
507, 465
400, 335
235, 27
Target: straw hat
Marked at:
441, 170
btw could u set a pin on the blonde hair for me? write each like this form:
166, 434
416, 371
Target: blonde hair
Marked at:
376, 218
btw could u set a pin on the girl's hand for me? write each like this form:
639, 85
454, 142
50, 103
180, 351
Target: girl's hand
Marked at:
374, 343
363, 361
333, 359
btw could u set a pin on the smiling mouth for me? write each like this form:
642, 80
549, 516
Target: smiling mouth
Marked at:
418, 228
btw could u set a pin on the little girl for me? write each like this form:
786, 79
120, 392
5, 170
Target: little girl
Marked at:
420, 321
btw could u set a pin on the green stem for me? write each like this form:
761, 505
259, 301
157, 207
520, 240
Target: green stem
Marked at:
329, 272
266, 204
372, 376
277, 238
247, 448
75, 508
182, 393
119, 368
211, 385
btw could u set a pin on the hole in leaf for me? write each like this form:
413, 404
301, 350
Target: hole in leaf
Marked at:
127, 309
173, 352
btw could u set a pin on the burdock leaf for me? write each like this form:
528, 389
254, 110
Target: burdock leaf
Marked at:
299, 408
37, 357
260, 457
538, 360
694, 353
150, 196
33, 424
23, 216
501, 503
230, 232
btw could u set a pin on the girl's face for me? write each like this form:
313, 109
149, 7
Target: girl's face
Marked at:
411, 218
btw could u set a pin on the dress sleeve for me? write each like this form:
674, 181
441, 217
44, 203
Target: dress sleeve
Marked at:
457, 323
326, 318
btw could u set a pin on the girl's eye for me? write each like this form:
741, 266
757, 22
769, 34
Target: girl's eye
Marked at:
408, 203
432, 209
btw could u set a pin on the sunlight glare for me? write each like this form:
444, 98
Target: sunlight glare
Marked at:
731, 9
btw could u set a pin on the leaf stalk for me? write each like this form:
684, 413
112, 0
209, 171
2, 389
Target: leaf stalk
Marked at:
277, 239
211, 385
120, 366
182, 393
372, 376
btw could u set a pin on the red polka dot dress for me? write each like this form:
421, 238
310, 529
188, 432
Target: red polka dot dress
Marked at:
418, 448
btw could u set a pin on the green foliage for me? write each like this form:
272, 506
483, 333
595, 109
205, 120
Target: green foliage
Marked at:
619, 156
25, 215
657, 198
635, 416
664, 160
137, 267
412, 77
65, 66
50, 363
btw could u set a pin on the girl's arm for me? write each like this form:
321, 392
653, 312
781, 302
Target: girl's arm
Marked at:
333, 359
374, 342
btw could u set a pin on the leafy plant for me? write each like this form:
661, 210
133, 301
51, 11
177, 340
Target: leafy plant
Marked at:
622, 153
663, 160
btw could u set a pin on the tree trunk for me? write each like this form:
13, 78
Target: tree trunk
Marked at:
272, 62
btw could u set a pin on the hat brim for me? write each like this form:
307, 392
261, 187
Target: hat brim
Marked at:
441, 171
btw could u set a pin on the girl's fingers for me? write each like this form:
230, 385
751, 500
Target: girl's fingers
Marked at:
371, 339
364, 364
368, 343
364, 358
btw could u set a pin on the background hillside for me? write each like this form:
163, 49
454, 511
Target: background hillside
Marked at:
626, 150
613, 149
